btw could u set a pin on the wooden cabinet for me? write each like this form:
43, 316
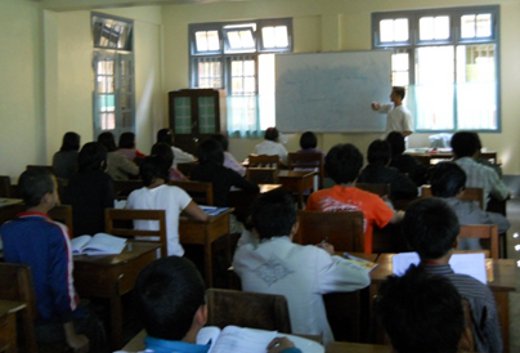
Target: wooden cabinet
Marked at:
195, 114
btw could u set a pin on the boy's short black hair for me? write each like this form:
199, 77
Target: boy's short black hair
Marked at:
308, 140
430, 227
379, 152
169, 292
271, 134
33, 184
397, 143
465, 144
343, 163
92, 156
210, 151
152, 168
447, 179
400, 91
273, 214
421, 313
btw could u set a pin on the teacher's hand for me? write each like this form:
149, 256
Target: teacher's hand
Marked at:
375, 105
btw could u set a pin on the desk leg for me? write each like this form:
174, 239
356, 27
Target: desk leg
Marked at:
502, 300
8, 333
208, 264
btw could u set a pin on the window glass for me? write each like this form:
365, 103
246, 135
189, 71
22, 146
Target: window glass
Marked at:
434, 28
394, 30
207, 41
476, 26
275, 37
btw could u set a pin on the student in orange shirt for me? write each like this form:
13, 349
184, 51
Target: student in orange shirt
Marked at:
342, 164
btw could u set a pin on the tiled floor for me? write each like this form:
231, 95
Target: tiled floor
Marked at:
513, 237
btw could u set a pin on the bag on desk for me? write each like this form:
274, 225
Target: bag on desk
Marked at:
99, 244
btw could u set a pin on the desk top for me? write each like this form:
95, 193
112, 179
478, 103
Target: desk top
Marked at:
133, 250
295, 173
10, 306
502, 273
349, 347
6, 201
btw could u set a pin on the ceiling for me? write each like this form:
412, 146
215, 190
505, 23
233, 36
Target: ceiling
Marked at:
68, 5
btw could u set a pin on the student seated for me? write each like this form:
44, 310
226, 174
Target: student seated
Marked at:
90, 191
466, 147
39, 242
431, 229
421, 313
229, 160
309, 143
448, 181
180, 156
342, 164
271, 145
118, 166
405, 163
378, 172
269, 262
158, 195
65, 161
211, 169
127, 147
170, 295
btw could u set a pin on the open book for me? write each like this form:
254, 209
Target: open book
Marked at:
213, 210
99, 244
368, 265
473, 265
234, 339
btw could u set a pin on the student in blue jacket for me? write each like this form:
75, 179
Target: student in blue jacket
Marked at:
35, 240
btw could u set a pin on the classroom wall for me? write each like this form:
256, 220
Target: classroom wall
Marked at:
47, 79
22, 128
46, 61
346, 25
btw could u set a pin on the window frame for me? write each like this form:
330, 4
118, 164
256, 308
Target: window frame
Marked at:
225, 56
455, 39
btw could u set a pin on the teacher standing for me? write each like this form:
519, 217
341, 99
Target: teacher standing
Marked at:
398, 116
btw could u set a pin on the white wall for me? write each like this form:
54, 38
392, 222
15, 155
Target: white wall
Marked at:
22, 124
346, 25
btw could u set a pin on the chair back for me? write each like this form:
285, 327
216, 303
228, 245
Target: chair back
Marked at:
307, 161
200, 192
123, 188
16, 284
246, 309
5, 186
63, 214
375, 188
486, 233
120, 222
264, 160
344, 230
469, 194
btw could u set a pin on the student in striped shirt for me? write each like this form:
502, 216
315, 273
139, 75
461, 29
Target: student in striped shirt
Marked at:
431, 228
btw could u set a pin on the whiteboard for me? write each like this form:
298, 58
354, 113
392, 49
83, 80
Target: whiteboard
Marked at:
332, 92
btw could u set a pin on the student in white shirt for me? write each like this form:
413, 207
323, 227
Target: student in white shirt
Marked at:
179, 156
271, 146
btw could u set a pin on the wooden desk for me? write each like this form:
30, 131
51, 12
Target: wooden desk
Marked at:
297, 182
349, 347
9, 207
8, 340
426, 157
501, 273
112, 276
205, 233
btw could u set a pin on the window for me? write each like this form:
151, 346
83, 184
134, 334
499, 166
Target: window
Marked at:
114, 105
448, 61
239, 58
